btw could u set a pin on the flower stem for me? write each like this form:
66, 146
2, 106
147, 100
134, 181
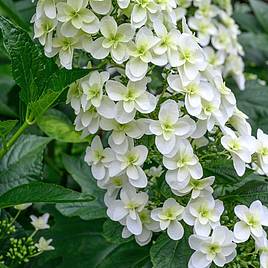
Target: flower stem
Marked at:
13, 139
16, 216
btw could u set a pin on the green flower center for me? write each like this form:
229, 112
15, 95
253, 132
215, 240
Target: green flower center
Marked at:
234, 145
117, 181
93, 92
264, 151
132, 159
167, 127
252, 221
214, 249
192, 89
132, 205
204, 212
169, 214
187, 55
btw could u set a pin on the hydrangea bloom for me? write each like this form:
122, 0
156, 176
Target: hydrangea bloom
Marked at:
149, 132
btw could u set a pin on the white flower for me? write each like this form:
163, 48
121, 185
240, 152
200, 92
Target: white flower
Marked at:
169, 216
218, 248
194, 91
107, 108
148, 227
234, 65
88, 121
204, 28
190, 58
167, 47
182, 164
115, 40
222, 40
214, 57
40, 223
261, 244
205, 9
131, 162
204, 214
43, 30
47, 8
132, 97
140, 54
65, 47
93, 89
262, 150
22, 206
76, 16
251, 221
211, 113
101, 6
184, 3
141, 10
113, 186
134, 129
98, 158
74, 95
228, 100
170, 126
198, 187
239, 121
241, 149
264, 260
128, 208
44, 245
123, 3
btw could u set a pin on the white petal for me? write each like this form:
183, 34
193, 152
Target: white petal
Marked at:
241, 231
134, 226
175, 230
96, 49
117, 210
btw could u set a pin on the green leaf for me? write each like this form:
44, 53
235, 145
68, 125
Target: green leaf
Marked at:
253, 101
80, 244
23, 162
6, 84
57, 125
260, 9
169, 253
81, 173
112, 231
38, 192
55, 87
253, 190
247, 21
40, 106
9, 9
225, 176
255, 46
31, 68
41, 81
6, 127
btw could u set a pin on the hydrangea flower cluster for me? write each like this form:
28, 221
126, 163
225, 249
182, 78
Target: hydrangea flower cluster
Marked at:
217, 33
65, 27
129, 43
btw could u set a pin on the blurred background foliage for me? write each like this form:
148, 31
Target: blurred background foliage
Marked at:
91, 244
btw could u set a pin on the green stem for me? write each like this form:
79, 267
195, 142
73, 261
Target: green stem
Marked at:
13, 139
16, 216
33, 234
